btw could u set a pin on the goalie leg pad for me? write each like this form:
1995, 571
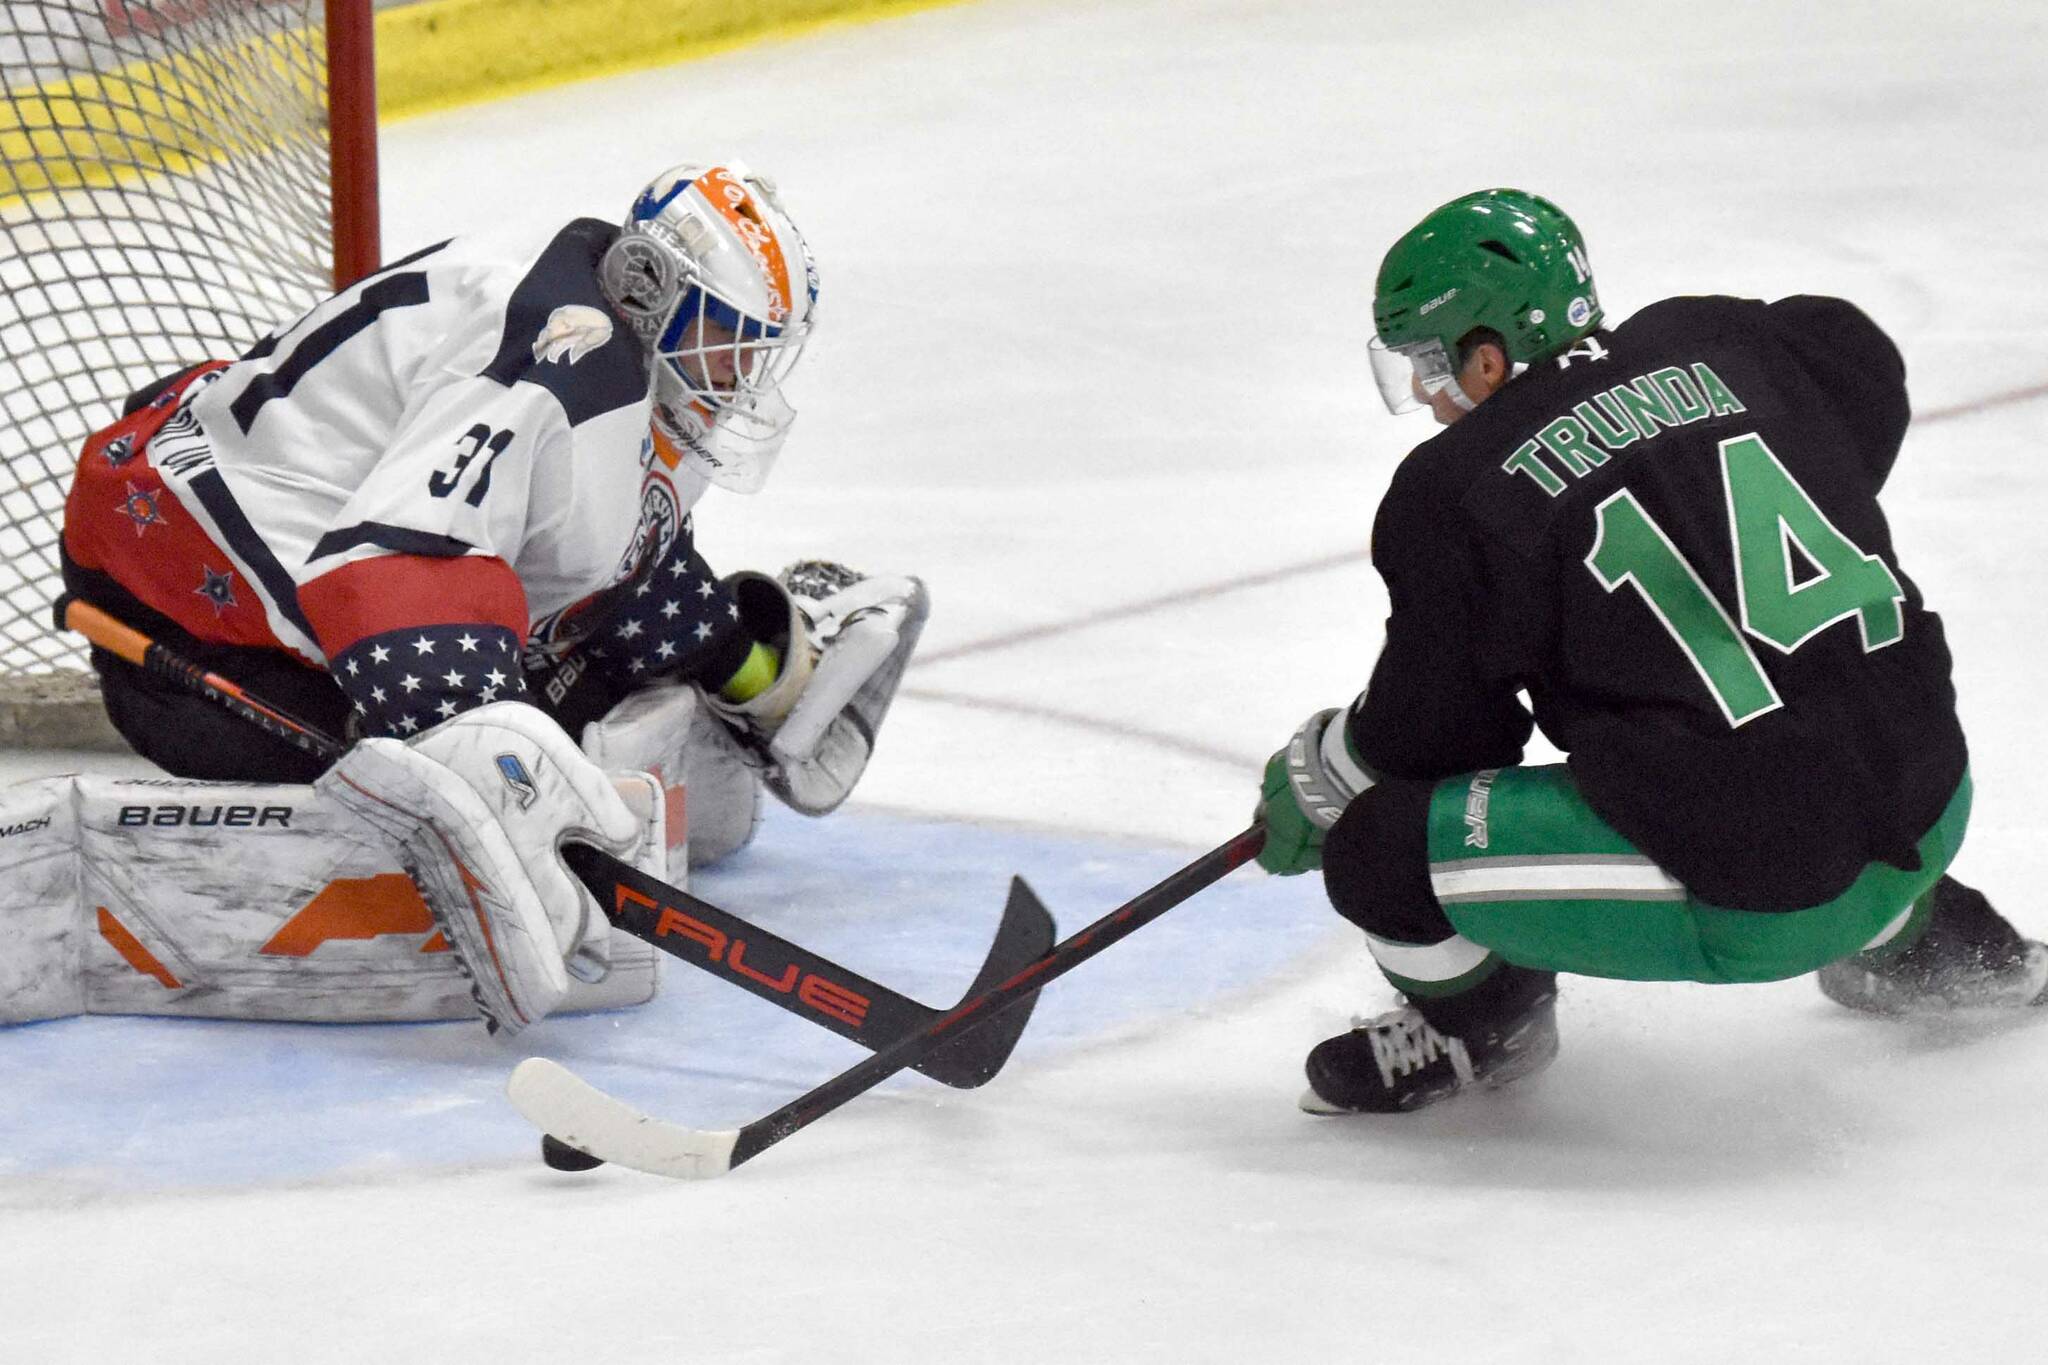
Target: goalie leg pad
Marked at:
41, 942
724, 791
235, 901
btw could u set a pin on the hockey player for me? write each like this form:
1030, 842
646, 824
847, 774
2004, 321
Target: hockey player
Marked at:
447, 512
1667, 537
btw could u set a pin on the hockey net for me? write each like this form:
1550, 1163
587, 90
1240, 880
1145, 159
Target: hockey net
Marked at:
176, 178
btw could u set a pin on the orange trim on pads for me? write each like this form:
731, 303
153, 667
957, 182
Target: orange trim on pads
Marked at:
133, 953
675, 817
471, 884
356, 908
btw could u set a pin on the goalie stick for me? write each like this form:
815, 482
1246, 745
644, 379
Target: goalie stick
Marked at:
124, 641
798, 980
685, 927
561, 1103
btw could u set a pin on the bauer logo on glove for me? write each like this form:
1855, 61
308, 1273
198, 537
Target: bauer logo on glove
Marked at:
1306, 787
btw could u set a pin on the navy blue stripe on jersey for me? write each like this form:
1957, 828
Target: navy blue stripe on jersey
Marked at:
565, 274
405, 681
394, 291
233, 524
402, 539
403, 261
269, 343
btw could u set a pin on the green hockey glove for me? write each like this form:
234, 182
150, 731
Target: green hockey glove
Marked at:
1307, 786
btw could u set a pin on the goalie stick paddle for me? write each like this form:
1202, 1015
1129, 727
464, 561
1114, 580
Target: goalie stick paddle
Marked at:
798, 980
561, 1103
693, 930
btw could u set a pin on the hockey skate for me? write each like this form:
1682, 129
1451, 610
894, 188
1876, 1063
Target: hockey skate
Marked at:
1400, 1061
1968, 958
1896, 986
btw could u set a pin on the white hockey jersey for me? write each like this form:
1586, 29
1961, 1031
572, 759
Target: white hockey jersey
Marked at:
446, 463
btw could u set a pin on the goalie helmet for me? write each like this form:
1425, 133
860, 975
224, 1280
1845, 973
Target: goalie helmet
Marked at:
717, 283
1504, 260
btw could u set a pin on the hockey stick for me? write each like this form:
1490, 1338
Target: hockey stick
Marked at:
685, 927
126, 642
795, 979
561, 1103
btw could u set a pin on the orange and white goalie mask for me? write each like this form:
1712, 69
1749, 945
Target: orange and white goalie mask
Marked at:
717, 283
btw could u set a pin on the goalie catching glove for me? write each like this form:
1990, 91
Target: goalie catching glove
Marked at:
1307, 786
480, 806
842, 641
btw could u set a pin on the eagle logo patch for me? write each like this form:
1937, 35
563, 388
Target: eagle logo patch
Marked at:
574, 330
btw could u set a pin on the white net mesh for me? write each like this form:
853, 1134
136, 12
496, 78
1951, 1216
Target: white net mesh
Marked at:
163, 200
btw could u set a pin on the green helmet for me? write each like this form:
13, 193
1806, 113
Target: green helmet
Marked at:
1505, 260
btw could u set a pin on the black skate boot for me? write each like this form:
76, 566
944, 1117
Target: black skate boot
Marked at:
1968, 958
1401, 1060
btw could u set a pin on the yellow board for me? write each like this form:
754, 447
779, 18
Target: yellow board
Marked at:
446, 52
97, 129
154, 115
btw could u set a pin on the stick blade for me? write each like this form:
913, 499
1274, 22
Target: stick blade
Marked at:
569, 1109
1025, 935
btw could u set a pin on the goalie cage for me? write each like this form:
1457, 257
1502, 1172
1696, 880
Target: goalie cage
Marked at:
176, 178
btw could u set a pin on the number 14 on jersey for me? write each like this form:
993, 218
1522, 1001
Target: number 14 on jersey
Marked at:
1769, 517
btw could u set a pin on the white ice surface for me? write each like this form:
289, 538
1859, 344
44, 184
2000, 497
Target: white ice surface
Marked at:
1097, 283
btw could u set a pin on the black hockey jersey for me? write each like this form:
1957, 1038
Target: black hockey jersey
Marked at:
1669, 540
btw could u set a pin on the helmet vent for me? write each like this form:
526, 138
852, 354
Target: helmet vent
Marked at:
1500, 249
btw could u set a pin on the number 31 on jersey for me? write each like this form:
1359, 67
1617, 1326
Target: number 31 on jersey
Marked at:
478, 440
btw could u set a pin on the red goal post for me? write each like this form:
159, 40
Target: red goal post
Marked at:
176, 178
